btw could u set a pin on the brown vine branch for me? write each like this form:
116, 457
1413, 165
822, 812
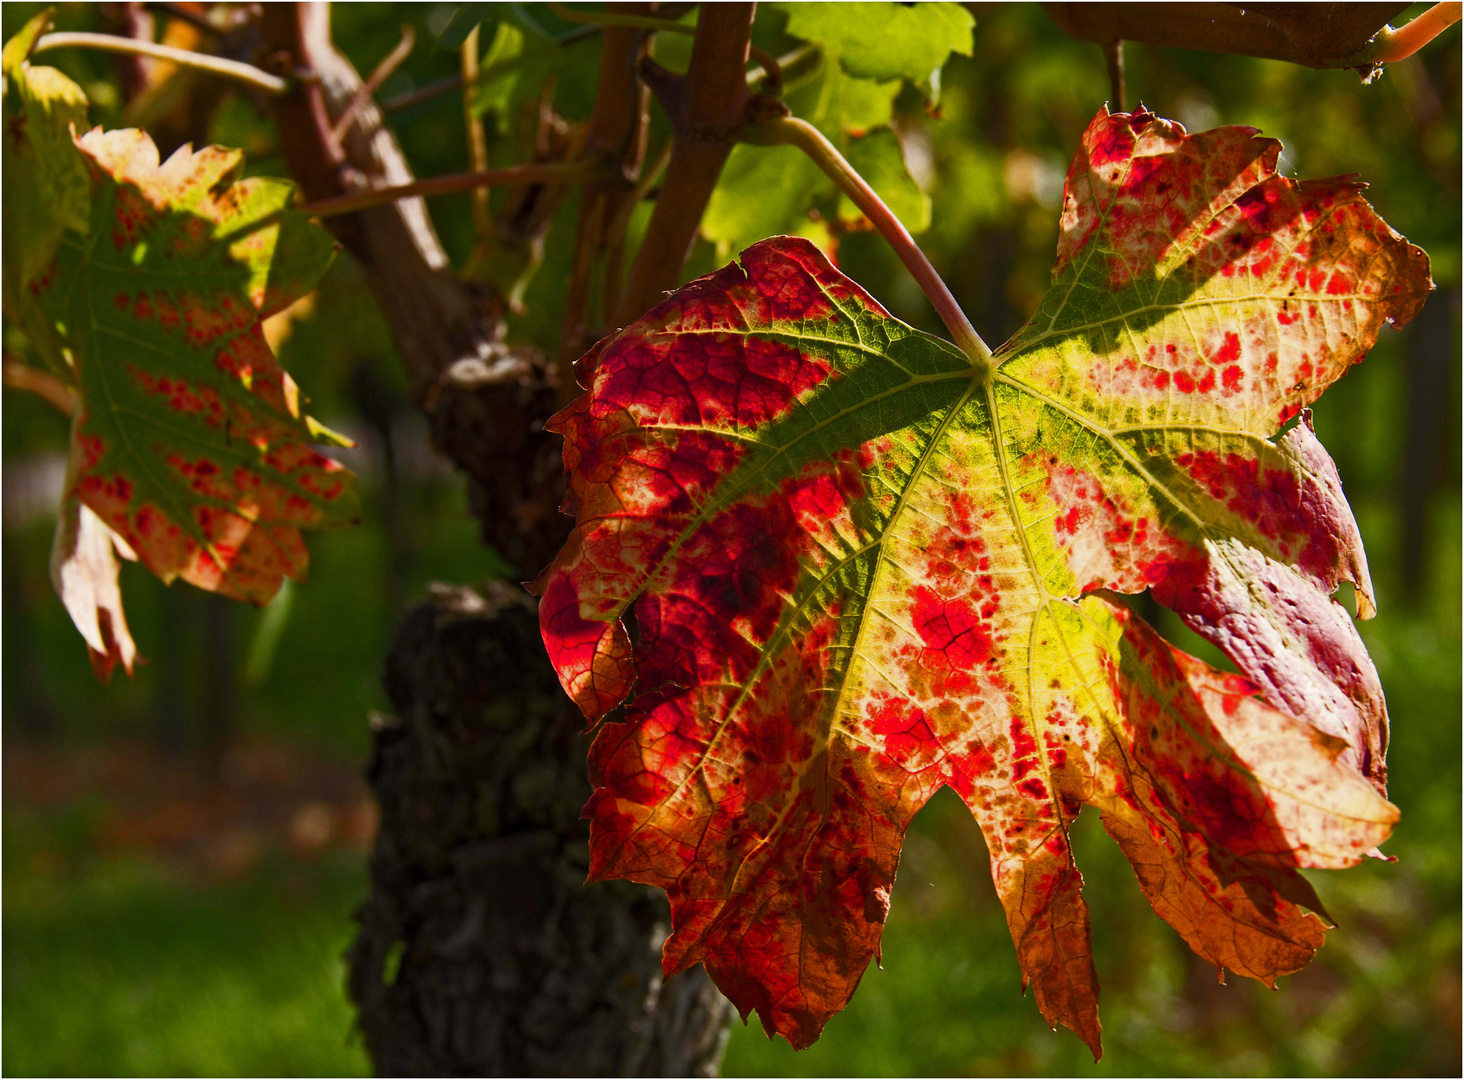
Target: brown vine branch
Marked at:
239, 72
616, 141
611, 17
393, 60
770, 67
22, 376
427, 93
1113, 59
791, 131
451, 184
706, 107
615, 234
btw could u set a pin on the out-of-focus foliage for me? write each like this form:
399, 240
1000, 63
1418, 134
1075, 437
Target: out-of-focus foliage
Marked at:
1383, 995
868, 52
45, 182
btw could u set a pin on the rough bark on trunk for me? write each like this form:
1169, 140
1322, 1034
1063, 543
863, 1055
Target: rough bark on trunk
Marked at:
481, 952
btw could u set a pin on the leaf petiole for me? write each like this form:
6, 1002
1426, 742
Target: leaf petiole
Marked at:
791, 131
1390, 45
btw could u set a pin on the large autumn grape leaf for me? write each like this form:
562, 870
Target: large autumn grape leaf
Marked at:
188, 441
862, 567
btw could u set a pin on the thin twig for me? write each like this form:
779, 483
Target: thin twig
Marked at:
1113, 57
22, 376
368, 88
616, 230
538, 173
477, 140
773, 71
791, 131
615, 233
427, 93
217, 65
611, 18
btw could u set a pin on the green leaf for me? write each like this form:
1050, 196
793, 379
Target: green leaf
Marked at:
883, 41
839, 104
189, 441
18, 49
45, 187
513, 71
763, 191
53, 106
464, 20
879, 159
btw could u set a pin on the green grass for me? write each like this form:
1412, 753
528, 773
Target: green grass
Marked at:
116, 967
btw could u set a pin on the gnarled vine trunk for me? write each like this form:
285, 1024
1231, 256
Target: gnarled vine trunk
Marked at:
481, 951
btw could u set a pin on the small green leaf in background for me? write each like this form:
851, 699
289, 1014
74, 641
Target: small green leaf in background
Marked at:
885, 41
763, 191
869, 52
45, 180
880, 161
18, 49
463, 20
513, 70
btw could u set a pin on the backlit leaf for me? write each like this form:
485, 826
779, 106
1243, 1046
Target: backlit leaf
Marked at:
44, 180
189, 441
884, 41
861, 568
466, 19
770, 189
879, 158
513, 69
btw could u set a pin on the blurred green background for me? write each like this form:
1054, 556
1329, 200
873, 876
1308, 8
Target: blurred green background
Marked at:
183, 850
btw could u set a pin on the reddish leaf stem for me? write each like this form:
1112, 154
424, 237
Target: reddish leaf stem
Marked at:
791, 131
1113, 59
1403, 42
451, 184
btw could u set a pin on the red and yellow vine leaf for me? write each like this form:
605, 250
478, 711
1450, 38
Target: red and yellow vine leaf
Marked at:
861, 568
189, 441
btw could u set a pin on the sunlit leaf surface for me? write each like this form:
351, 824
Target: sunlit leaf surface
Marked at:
860, 568
189, 441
